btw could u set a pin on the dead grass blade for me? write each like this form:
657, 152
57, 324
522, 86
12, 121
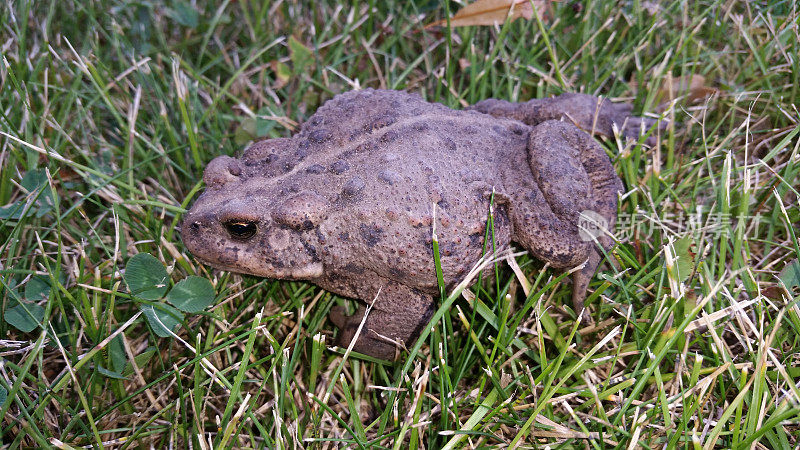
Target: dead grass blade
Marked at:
493, 12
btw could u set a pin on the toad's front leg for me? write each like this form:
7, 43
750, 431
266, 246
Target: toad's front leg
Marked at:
590, 113
396, 319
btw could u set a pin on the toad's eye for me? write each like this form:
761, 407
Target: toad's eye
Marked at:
240, 229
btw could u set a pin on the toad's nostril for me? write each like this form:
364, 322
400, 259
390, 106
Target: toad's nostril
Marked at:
195, 227
221, 170
234, 168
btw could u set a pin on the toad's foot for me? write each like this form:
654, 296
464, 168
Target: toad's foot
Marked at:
396, 320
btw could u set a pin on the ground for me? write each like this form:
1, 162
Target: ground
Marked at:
111, 109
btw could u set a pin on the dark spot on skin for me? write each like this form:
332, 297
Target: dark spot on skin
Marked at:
307, 225
447, 248
389, 177
546, 253
320, 237
476, 240
287, 166
421, 126
531, 196
339, 167
380, 122
311, 250
315, 120
284, 192
449, 145
344, 236
390, 136
416, 222
443, 204
499, 130
471, 129
320, 136
391, 214
303, 150
365, 147
315, 169
353, 187
427, 243
518, 129
372, 234
398, 274
353, 268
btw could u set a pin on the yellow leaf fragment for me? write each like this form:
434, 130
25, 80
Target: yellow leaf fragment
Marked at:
693, 87
494, 12
282, 73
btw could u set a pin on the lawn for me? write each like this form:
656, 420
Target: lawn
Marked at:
113, 336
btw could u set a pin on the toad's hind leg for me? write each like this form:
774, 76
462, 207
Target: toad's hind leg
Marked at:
398, 316
578, 183
590, 113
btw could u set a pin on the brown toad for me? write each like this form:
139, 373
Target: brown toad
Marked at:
348, 202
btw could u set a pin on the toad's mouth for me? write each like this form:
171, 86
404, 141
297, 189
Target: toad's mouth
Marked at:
309, 271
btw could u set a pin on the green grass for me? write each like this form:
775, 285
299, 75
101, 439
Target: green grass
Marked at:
110, 110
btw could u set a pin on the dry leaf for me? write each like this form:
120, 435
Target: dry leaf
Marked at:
493, 12
688, 88
773, 292
693, 87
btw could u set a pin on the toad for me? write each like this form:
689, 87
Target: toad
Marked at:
349, 202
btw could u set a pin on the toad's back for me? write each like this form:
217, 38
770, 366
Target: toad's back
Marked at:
383, 159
